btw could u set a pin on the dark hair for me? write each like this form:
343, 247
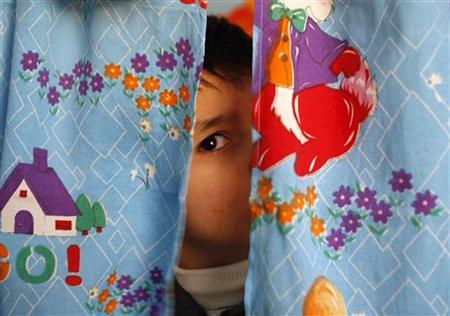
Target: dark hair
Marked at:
228, 51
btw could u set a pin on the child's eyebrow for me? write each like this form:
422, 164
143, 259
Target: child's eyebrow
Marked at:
209, 123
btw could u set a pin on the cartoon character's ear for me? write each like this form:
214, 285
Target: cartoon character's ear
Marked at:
320, 10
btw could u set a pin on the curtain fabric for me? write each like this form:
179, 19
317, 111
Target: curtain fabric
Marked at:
97, 105
350, 200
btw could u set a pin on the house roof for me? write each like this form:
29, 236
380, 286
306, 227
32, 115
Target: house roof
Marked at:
47, 187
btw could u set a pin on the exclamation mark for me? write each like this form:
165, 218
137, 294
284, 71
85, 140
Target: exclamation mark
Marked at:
73, 263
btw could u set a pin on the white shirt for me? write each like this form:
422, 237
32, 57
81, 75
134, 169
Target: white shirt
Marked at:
215, 289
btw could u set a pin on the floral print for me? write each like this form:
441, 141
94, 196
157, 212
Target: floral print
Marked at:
342, 196
166, 61
66, 81
112, 71
147, 80
151, 84
140, 63
355, 207
123, 295
130, 82
30, 60
424, 203
400, 181
43, 77
168, 98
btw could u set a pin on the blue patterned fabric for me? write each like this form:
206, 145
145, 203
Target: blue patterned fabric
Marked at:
366, 226
97, 104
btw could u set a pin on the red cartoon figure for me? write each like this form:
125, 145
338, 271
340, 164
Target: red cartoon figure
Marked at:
297, 112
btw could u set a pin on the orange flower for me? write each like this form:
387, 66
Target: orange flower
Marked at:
264, 188
317, 226
184, 94
151, 84
112, 279
270, 207
142, 103
187, 123
103, 297
112, 71
298, 201
168, 98
256, 210
111, 307
131, 82
311, 195
286, 214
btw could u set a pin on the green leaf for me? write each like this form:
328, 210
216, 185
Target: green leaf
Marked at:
284, 229
350, 239
358, 186
54, 110
268, 218
163, 126
437, 211
416, 222
321, 240
330, 256
377, 231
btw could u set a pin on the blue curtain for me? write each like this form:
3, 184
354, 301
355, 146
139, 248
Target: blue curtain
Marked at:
97, 104
350, 199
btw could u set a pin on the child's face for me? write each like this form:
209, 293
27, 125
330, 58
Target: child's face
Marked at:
218, 216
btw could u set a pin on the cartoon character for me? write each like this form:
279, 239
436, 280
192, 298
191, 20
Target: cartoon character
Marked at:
297, 112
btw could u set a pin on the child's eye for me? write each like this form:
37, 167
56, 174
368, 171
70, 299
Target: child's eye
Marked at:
213, 142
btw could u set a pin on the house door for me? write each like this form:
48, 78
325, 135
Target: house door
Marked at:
23, 223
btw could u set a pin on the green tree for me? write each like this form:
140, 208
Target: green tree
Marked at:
99, 217
85, 221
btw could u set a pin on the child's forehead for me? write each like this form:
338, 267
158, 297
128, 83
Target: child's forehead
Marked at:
226, 100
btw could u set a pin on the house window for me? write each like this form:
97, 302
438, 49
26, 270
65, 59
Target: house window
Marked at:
63, 225
23, 193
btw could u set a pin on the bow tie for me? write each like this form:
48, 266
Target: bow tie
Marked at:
298, 17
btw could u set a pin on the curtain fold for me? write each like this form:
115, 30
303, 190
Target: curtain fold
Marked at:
350, 182
97, 104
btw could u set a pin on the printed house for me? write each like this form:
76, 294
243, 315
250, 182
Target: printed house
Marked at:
34, 200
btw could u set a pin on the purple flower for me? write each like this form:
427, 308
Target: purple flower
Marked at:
53, 96
141, 294
366, 198
166, 61
30, 60
183, 47
424, 203
400, 181
43, 77
83, 87
156, 275
78, 69
97, 83
87, 69
350, 222
188, 60
198, 71
159, 294
381, 212
336, 239
343, 196
140, 62
127, 300
66, 81
155, 310
124, 282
